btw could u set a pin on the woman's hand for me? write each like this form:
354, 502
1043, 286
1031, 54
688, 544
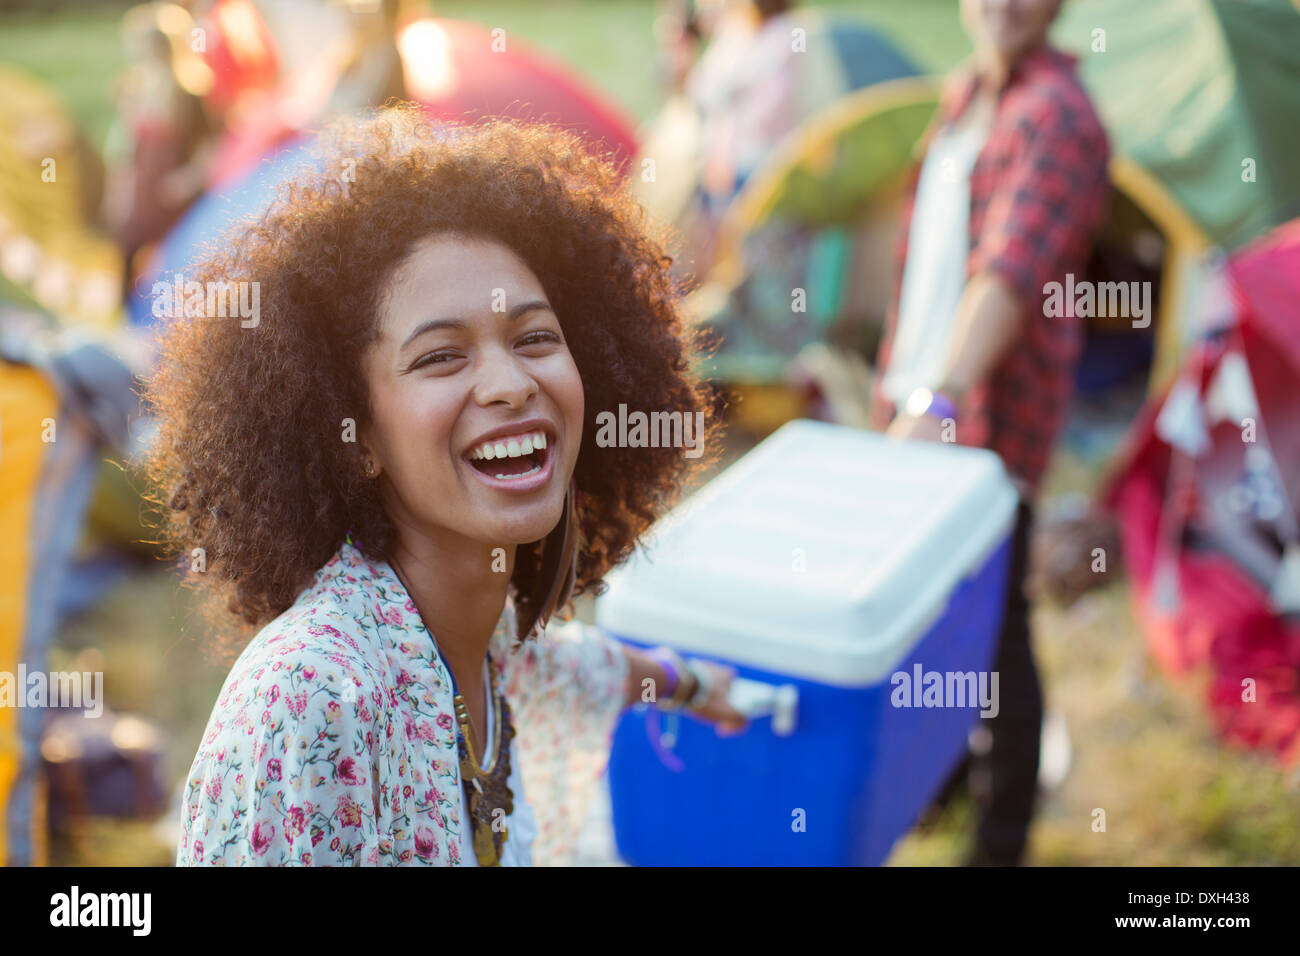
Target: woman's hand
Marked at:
716, 709
645, 675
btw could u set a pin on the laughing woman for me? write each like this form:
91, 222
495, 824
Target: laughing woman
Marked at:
390, 481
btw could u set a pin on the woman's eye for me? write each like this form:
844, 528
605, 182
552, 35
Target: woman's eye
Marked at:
434, 358
540, 337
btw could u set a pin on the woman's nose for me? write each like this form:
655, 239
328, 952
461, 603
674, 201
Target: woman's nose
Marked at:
503, 378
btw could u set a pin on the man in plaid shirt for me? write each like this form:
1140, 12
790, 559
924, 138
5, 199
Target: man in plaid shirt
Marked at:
1013, 186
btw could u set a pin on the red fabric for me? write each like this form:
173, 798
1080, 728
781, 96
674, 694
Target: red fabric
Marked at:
1267, 279
516, 83
241, 53
1223, 624
1038, 193
520, 83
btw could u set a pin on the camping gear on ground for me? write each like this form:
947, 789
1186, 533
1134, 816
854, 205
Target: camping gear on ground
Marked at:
1074, 549
1207, 495
841, 574
110, 765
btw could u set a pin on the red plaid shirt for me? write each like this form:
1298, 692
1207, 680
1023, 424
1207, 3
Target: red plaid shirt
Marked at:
1038, 192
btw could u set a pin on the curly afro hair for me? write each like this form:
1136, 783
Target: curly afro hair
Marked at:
248, 462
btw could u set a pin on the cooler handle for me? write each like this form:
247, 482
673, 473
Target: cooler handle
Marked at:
756, 699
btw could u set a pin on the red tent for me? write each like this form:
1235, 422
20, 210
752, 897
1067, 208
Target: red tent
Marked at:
240, 52
457, 71
460, 70
1207, 498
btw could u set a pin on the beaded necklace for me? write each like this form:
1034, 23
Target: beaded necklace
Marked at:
491, 802
487, 787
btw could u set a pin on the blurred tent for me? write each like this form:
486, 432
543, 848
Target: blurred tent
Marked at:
240, 54
458, 71
1190, 90
1207, 495
1201, 100
837, 55
837, 180
36, 483
450, 67
51, 255
462, 71
750, 255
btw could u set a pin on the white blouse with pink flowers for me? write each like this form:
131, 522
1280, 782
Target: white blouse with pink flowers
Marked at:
333, 741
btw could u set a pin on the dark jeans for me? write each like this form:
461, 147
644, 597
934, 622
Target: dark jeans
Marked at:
1004, 781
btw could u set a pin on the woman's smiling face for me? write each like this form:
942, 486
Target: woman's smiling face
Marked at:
477, 403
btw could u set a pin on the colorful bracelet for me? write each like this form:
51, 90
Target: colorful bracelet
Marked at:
922, 401
673, 666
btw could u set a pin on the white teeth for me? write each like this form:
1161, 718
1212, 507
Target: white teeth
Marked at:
512, 447
531, 471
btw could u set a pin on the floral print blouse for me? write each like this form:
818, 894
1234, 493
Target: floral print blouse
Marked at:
333, 741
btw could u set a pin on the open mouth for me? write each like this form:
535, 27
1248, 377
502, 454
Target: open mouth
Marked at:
512, 457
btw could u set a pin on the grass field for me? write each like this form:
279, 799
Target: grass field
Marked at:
1143, 750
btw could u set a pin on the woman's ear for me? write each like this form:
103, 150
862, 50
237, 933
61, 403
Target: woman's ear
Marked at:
371, 466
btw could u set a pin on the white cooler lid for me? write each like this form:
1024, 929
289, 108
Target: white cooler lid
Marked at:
887, 530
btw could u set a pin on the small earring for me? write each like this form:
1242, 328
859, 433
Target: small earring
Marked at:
369, 468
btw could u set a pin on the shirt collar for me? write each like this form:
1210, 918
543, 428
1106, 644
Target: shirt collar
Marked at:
407, 623
1041, 58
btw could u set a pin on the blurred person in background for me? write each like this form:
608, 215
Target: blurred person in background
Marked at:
744, 86
1011, 189
163, 137
742, 91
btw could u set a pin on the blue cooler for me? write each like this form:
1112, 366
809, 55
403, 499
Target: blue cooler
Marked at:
856, 584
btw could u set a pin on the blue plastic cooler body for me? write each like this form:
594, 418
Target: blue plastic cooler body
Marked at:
853, 777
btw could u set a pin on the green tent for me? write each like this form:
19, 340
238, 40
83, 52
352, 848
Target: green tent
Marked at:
819, 216
1201, 99
1202, 94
